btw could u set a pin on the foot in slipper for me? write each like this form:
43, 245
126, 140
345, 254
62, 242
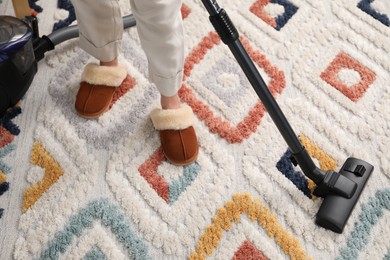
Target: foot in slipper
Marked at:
97, 87
177, 135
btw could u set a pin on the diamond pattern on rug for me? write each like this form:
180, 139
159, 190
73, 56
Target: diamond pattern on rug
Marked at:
280, 20
168, 191
366, 6
244, 203
259, 167
194, 211
325, 161
140, 179
121, 118
345, 61
65, 195
217, 124
98, 240
367, 92
253, 19
304, 184
100, 209
286, 167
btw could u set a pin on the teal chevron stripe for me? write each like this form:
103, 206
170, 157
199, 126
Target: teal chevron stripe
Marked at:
95, 254
371, 213
178, 186
100, 209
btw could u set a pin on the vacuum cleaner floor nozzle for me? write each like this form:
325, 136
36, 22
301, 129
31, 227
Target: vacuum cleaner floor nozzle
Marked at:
336, 209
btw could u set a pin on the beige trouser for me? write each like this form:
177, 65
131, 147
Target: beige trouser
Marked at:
160, 29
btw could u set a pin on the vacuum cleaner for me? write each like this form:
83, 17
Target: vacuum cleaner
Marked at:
17, 63
340, 190
21, 48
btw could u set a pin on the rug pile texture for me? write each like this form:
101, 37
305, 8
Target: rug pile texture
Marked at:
73, 188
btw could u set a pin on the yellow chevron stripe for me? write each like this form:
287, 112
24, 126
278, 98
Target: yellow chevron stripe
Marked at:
53, 172
3, 177
327, 163
243, 203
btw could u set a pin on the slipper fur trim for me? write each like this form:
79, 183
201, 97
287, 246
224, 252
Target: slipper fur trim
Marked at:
104, 75
172, 119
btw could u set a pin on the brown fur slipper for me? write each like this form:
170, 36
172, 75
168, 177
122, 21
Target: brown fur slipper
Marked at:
97, 87
178, 138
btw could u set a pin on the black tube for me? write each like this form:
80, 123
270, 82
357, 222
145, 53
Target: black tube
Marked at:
308, 167
41, 46
224, 26
229, 35
341, 190
253, 75
64, 34
212, 7
265, 96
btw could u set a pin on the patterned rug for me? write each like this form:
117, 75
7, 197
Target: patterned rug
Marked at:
102, 189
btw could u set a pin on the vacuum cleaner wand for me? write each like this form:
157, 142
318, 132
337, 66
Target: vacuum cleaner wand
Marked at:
340, 190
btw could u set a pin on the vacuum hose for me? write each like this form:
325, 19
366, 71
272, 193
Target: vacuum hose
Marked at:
47, 43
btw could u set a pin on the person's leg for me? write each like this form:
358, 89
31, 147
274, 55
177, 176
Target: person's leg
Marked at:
160, 28
100, 27
100, 30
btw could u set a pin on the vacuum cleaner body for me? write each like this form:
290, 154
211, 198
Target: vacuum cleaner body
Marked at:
17, 61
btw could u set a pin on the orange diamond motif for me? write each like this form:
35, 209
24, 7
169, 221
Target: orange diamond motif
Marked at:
232, 133
344, 61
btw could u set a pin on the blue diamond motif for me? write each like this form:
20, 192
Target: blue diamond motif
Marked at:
365, 6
